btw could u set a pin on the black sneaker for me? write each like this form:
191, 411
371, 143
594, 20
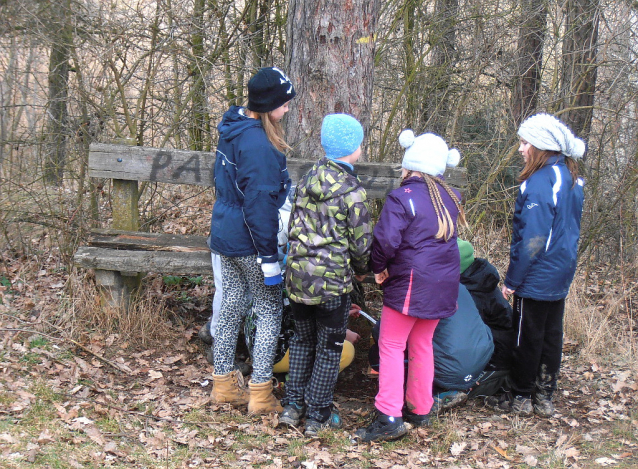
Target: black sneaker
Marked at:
416, 419
500, 402
313, 427
243, 367
383, 428
292, 414
204, 334
543, 405
522, 405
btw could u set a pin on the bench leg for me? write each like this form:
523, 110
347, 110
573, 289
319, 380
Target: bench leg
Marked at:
117, 288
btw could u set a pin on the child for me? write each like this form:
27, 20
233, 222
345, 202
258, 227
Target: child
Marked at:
330, 238
473, 347
545, 233
416, 260
251, 184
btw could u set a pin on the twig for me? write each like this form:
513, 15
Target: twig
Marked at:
77, 344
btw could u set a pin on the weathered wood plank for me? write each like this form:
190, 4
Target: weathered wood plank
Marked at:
138, 241
197, 168
165, 262
126, 215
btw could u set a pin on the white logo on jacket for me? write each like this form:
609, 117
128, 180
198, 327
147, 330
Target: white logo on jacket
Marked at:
532, 205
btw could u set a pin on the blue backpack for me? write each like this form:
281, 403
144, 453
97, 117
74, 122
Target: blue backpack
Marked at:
463, 346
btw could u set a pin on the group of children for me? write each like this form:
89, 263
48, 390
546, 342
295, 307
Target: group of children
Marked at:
412, 251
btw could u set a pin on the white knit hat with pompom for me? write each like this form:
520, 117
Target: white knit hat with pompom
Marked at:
427, 153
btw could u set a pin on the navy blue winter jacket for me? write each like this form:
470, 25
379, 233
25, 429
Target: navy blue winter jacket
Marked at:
545, 233
251, 184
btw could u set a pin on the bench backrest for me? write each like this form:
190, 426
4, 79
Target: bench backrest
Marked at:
130, 163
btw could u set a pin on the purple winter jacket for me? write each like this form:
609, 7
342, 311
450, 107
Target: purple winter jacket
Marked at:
424, 272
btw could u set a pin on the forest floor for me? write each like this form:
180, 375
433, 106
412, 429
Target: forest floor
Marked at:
87, 399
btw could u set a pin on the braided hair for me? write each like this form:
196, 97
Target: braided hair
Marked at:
446, 224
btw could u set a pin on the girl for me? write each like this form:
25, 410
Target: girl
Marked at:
545, 233
415, 258
251, 184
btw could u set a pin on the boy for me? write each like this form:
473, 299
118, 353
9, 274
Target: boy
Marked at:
330, 239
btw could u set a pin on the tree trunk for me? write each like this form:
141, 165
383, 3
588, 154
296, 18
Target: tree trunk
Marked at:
58, 80
527, 75
330, 60
199, 125
409, 64
579, 68
443, 38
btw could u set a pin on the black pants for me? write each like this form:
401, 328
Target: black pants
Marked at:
538, 347
315, 353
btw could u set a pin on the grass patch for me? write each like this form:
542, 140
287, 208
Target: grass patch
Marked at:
30, 359
39, 342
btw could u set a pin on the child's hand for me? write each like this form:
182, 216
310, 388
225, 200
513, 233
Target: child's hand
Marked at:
352, 336
360, 278
354, 310
506, 292
381, 277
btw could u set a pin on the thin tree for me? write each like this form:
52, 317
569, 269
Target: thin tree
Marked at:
61, 37
436, 105
579, 67
529, 59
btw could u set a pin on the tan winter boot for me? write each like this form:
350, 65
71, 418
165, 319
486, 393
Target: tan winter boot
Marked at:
229, 388
262, 400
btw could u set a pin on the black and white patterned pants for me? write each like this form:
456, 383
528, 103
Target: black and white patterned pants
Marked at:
315, 353
239, 275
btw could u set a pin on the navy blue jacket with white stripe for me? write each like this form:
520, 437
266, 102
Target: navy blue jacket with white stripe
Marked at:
251, 184
545, 233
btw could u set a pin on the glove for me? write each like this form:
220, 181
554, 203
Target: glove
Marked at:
272, 273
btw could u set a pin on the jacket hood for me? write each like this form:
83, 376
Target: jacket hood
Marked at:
327, 180
234, 122
480, 276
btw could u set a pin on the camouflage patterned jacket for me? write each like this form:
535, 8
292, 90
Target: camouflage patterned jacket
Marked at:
330, 234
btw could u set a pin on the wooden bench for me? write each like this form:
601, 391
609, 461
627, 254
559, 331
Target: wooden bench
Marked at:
121, 254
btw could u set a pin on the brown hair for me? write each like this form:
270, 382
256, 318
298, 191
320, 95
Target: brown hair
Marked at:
274, 130
537, 159
446, 225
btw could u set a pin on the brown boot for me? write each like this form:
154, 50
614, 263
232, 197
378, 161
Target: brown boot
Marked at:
229, 388
262, 400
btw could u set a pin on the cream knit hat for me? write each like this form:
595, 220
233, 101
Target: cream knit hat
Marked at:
545, 132
427, 153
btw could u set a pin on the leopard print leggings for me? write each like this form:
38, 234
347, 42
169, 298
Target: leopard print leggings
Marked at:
239, 275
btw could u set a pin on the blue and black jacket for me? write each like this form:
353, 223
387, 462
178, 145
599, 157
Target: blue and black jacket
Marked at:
545, 233
251, 184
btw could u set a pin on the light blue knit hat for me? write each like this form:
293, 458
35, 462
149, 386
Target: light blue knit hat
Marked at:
341, 135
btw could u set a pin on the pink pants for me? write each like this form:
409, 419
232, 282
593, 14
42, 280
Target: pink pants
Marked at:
397, 330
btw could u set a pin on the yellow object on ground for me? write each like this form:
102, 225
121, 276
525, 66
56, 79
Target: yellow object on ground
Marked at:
347, 355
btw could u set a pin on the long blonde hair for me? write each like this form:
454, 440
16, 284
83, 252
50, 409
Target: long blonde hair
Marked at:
274, 130
446, 224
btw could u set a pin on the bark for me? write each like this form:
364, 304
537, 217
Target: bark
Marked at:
579, 67
58, 81
443, 37
527, 78
200, 125
409, 35
330, 59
